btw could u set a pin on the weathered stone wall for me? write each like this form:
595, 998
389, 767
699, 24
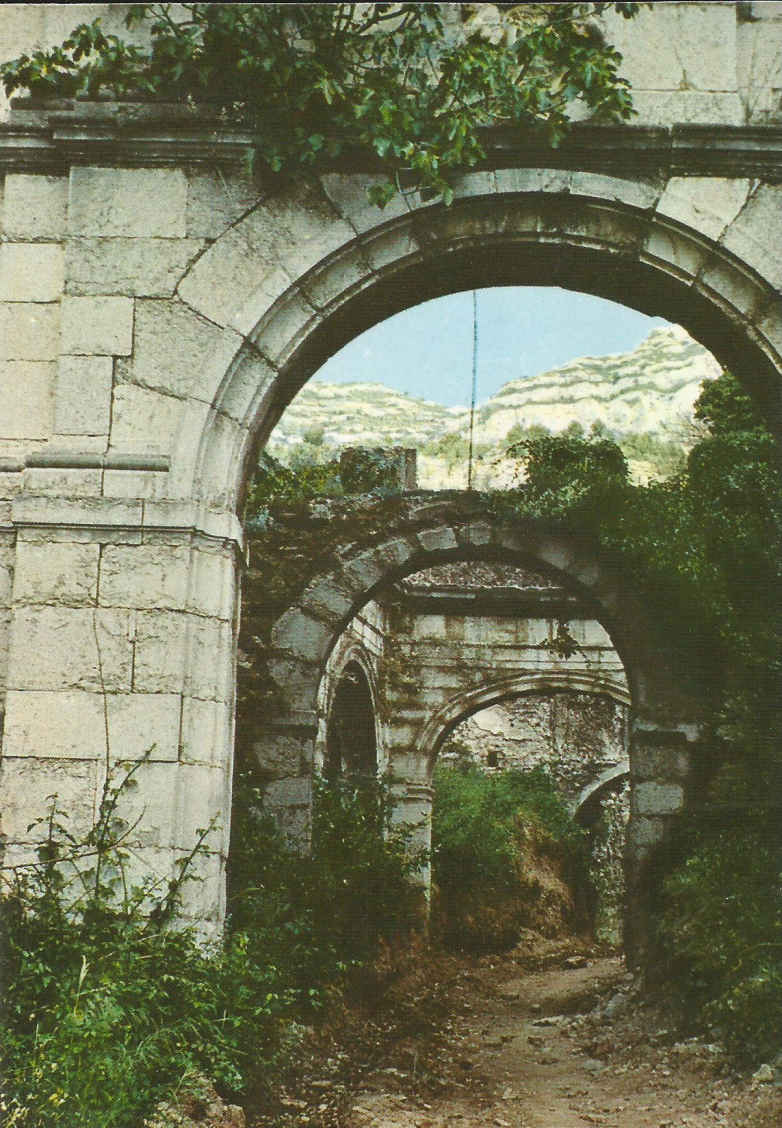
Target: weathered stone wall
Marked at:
574, 736
444, 660
159, 309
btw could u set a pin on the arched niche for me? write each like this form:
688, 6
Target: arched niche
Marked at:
351, 734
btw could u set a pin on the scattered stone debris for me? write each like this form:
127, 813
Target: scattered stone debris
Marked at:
197, 1106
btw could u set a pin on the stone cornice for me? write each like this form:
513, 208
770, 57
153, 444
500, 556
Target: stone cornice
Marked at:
54, 142
637, 150
148, 517
50, 137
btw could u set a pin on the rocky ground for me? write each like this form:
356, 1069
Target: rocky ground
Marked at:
550, 1035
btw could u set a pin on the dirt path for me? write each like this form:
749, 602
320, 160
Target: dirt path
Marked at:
492, 1042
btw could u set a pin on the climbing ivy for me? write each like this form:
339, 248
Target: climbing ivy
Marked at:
415, 84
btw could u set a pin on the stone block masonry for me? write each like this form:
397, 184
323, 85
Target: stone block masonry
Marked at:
159, 308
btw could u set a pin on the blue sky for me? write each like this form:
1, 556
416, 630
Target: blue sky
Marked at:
426, 351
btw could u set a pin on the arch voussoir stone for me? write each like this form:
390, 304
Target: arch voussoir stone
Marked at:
329, 600
552, 551
301, 635
233, 280
440, 539
284, 327
365, 570
348, 194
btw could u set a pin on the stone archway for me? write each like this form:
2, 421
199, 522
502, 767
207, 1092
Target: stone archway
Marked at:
429, 530
617, 238
678, 248
351, 737
122, 547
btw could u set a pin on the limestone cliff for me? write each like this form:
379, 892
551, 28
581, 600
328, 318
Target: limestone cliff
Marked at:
649, 391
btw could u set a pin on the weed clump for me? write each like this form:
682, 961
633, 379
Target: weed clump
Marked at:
506, 856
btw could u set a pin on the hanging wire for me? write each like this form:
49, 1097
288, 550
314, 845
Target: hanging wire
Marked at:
474, 384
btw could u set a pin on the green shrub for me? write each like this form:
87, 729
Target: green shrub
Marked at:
720, 928
277, 484
723, 933
492, 836
321, 913
109, 1009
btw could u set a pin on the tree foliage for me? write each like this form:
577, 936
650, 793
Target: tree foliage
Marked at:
413, 83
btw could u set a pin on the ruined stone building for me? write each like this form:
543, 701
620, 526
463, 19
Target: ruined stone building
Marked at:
159, 309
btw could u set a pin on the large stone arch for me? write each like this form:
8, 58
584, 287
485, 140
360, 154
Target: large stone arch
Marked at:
623, 239
159, 309
693, 250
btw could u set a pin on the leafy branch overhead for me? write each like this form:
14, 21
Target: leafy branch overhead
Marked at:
413, 83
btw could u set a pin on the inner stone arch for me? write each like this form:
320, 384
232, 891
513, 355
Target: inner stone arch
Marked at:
429, 530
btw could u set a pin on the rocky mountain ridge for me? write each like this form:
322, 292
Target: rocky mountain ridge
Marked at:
648, 391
